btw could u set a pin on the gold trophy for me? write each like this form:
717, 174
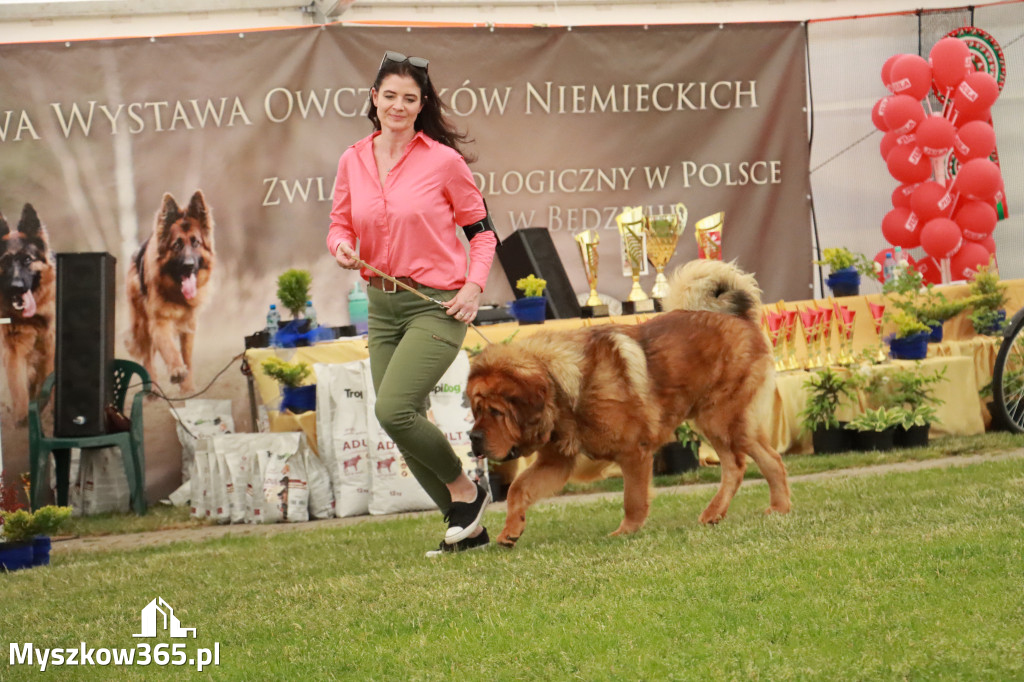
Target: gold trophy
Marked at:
631, 230
708, 232
588, 241
663, 232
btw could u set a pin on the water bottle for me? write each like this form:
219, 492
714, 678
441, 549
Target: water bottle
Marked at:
889, 268
899, 257
357, 308
311, 316
273, 323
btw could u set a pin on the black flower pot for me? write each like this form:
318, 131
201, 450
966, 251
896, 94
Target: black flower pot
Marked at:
914, 437
875, 440
830, 440
676, 458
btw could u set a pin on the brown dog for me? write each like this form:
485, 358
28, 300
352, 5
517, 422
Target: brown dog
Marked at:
166, 284
617, 392
28, 297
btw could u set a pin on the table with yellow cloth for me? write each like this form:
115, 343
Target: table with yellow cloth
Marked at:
968, 360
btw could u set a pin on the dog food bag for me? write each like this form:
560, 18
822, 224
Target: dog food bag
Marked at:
236, 458
449, 409
200, 480
104, 484
393, 488
321, 494
285, 485
200, 418
345, 454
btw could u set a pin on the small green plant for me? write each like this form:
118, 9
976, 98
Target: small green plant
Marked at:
826, 389
988, 297
840, 258
878, 419
907, 324
531, 286
293, 290
23, 525
910, 391
907, 292
290, 374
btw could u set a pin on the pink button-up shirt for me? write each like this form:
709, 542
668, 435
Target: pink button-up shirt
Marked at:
409, 227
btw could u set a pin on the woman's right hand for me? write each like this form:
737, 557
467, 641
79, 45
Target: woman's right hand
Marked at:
346, 257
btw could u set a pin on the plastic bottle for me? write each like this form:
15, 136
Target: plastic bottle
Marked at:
899, 257
273, 323
357, 308
889, 268
311, 316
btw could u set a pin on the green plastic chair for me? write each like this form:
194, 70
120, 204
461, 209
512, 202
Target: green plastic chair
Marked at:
130, 442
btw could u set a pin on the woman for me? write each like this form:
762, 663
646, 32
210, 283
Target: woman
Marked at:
399, 198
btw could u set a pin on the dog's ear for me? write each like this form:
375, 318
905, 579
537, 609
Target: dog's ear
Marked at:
168, 215
29, 224
199, 211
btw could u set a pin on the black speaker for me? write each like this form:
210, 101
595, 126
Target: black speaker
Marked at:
530, 251
85, 342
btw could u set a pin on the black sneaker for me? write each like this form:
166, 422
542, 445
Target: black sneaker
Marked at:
468, 543
464, 517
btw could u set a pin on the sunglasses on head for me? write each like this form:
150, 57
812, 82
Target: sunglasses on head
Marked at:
398, 58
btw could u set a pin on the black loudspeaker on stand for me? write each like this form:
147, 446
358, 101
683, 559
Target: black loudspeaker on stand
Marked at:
85, 342
530, 251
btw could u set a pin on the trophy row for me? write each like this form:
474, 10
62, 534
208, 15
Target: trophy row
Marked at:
646, 237
817, 325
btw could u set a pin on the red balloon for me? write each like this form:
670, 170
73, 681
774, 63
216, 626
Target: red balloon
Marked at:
876, 114
960, 117
965, 264
976, 93
941, 238
887, 71
935, 134
892, 139
911, 75
931, 200
989, 243
974, 140
907, 163
901, 227
930, 270
977, 220
950, 60
901, 195
978, 178
902, 113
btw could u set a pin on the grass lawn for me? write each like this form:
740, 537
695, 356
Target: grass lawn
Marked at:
914, 575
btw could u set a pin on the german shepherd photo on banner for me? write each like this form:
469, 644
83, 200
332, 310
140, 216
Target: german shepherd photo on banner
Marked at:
166, 286
28, 297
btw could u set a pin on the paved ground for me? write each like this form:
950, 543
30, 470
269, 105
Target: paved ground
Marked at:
163, 537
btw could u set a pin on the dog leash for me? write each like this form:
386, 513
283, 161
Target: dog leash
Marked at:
415, 291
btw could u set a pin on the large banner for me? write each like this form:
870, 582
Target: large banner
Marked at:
239, 136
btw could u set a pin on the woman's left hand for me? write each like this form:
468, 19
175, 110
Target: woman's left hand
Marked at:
466, 303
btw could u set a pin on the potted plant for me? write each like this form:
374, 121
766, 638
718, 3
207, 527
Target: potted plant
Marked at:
908, 292
875, 429
680, 455
987, 300
845, 269
531, 307
826, 389
910, 341
27, 536
293, 290
913, 391
297, 397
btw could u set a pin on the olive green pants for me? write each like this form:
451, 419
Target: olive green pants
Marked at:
412, 343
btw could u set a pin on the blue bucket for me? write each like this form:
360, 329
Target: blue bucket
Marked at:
914, 347
15, 556
298, 399
529, 310
845, 282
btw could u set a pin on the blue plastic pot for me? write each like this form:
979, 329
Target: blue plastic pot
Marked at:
845, 282
15, 555
298, 399
529, 309
41, 550
936, 334
913, 347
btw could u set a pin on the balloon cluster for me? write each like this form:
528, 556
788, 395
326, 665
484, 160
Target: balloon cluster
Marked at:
952, 219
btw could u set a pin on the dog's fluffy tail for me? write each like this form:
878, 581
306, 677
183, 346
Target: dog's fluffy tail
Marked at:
715, 286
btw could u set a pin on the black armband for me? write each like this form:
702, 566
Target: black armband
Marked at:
479, 226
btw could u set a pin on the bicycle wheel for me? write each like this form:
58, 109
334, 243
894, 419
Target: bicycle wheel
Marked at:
1008, 375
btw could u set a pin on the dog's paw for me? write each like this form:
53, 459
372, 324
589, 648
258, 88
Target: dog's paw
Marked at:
710, 518
506, 541
179, 374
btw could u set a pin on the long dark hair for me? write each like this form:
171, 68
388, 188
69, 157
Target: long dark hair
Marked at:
432, 119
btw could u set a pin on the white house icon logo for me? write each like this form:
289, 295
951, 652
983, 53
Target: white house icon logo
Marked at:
170, 622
